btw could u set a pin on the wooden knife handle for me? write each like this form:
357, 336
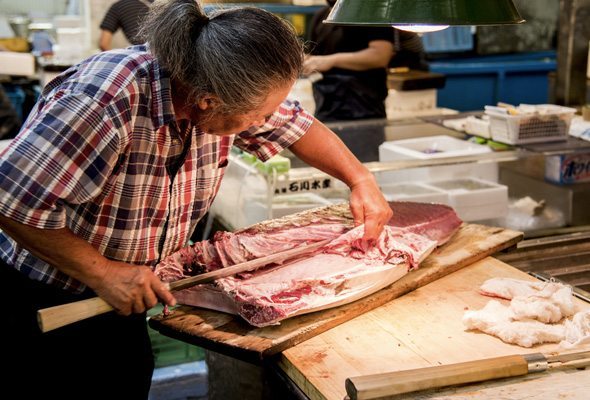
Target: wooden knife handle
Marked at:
382, 386
65, 314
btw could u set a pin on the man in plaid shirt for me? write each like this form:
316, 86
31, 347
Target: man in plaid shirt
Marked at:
121, 157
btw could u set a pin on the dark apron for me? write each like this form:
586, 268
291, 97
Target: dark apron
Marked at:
345, 97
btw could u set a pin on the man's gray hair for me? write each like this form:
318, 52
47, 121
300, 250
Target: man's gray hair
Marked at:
239, 55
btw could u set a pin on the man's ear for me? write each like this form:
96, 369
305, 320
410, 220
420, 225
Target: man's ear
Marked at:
207, 103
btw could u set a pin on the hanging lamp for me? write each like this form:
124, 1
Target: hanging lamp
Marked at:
423, 15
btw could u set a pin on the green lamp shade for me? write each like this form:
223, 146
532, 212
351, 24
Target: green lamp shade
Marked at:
424, 12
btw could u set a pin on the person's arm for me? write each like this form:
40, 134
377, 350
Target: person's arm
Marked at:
376, 55
321, 148
105, 41
127, 288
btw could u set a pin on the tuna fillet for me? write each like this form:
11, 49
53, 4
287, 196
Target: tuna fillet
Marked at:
340, 272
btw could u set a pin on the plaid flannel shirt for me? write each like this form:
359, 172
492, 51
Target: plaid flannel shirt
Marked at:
92, 157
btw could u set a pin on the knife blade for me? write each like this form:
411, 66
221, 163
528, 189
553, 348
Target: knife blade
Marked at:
55, 317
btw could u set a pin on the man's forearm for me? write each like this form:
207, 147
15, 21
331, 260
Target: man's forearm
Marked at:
60, 248
322, 149
376, 55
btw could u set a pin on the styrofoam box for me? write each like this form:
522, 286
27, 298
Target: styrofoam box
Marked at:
475, 199
414, 192
435, 147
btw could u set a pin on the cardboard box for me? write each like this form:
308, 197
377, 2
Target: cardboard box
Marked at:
568, 168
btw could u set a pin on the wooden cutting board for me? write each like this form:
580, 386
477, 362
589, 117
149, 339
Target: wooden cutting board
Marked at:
230, 335
421, 329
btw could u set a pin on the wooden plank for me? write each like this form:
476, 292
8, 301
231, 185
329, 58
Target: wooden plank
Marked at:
230, 335
421, 329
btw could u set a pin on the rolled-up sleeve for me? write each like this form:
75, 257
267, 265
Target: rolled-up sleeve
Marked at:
286, 126
64, 153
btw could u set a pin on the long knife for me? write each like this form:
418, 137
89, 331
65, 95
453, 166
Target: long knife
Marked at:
391, 384
65, 314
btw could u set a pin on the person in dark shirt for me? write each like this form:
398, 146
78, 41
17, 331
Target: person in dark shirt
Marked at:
126, 15
353, 62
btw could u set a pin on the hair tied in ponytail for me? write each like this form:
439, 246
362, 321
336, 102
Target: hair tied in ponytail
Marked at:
200, 22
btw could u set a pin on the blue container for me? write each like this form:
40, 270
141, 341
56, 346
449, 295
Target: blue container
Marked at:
17, 97
474, 83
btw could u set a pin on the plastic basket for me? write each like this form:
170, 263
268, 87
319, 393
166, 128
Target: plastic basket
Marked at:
549, 126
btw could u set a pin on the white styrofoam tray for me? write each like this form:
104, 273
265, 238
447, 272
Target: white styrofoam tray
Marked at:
475, 199
430, 147
447, 147
417, 192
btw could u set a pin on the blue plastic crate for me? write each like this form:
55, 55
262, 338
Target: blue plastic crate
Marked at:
473, 83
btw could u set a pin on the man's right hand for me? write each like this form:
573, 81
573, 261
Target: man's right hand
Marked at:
131, 288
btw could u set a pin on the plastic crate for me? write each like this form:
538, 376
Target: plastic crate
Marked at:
472, 83
550, 124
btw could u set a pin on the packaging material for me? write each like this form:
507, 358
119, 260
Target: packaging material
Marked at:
457, 124
417, 192
430, 148
475, 199
571, 200
528, 215
529, 123
478, 126
568, 168
580, 127
241, 187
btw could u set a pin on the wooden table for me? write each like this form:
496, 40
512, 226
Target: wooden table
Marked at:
420, 329
385, 332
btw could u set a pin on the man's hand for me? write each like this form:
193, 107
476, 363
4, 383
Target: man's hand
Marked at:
131, 288
317, 64
368, 206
